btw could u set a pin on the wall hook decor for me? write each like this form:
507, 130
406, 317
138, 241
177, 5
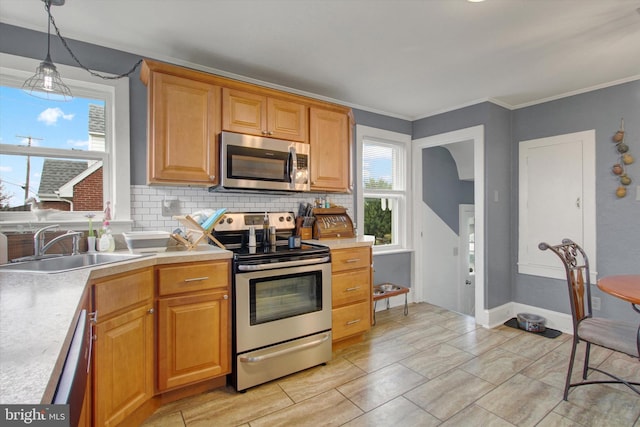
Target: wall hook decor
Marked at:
625, 158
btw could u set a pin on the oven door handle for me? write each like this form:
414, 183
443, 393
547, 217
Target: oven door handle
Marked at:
284, 264
262, 358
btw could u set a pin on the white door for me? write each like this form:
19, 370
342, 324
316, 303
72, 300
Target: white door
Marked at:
467, 268
556, 199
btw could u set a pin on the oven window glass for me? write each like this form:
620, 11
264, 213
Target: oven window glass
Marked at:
274, 298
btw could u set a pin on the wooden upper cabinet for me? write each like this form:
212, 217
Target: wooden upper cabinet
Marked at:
330, 140
183, 126
255, 114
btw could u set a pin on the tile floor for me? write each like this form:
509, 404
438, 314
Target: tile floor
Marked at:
431, 368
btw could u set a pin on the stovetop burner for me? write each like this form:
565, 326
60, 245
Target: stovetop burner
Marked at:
233, 231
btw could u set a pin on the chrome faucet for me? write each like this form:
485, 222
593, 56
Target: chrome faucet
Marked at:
39, 247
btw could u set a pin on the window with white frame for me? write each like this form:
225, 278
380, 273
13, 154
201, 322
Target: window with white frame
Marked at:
383, 186
71, 158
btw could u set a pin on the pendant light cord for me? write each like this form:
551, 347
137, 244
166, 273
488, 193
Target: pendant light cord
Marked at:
47, 5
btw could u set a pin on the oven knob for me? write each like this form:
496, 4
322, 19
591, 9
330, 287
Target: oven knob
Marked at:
288, 219
281, 219
229, 220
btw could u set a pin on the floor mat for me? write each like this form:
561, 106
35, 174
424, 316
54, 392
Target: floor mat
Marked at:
548, 333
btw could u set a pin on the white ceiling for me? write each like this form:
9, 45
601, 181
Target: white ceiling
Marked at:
405, 58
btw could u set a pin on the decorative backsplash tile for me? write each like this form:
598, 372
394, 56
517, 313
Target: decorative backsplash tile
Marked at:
147, 203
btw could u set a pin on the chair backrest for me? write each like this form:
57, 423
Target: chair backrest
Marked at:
576, 265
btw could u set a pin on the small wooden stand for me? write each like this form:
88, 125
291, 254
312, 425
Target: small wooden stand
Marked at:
379, 294
192, 226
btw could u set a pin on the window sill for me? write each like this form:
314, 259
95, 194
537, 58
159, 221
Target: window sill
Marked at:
391, 251
117, 226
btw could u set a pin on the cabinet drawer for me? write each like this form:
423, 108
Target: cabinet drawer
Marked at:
193, 277
120, 292
351, 320
350, 286
349, 259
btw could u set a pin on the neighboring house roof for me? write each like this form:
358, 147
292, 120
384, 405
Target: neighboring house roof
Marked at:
96, 119
56, 173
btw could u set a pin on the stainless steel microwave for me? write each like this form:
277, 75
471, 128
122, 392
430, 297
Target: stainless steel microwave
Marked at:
256, 163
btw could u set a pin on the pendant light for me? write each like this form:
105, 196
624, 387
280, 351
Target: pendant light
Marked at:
46, 82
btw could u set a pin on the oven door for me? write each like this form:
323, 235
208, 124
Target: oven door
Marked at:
274, 306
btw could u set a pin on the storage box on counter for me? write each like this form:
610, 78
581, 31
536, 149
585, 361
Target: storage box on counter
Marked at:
146, 241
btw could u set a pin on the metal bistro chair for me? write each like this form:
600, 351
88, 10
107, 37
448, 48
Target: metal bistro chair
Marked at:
614, 335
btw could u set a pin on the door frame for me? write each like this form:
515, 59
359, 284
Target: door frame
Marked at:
475, 133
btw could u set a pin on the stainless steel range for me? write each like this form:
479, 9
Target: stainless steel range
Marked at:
282, 298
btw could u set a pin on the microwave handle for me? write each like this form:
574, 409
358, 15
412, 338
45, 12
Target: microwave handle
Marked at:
293, 165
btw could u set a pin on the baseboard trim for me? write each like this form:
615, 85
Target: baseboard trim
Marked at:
556, 320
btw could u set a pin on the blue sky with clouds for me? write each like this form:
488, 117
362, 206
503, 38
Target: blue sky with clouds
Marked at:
50, 124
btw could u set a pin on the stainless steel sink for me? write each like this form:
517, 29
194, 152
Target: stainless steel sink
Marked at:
70, 262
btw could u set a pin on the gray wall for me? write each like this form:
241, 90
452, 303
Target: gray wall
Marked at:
497, 151
617, 220
442, 191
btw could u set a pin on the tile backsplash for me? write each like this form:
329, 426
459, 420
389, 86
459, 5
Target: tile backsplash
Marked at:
147, 203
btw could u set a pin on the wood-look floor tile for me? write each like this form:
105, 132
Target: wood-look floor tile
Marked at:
600, 405
397, 412
437, 360
460, 324
496, 365
556, 420
475, 416
231, 409
427, 336
327, 409
370, 356
172, 419
478, 341
381, 386
521, 400
314, 381
531, 346
449, 393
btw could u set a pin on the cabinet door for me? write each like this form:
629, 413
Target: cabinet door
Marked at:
287, 120
183, 127
123, 365
330, 150
193, 339
244, 112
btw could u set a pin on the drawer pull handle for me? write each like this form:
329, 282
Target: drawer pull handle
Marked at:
352, 260
196, 279
355, 288
353, 322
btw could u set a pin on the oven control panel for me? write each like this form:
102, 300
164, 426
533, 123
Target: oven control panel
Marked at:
236, 221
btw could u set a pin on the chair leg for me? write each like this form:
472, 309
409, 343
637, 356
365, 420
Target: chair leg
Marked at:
572, 359
587, 353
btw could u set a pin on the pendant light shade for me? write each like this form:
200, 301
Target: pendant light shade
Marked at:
46, 82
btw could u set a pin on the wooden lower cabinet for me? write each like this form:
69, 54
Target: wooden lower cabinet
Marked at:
194, 323
193, 337
123, 347
351, 281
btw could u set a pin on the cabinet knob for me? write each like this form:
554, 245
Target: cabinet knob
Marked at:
150, 311
226, 297
264, 132
212, 177
269, 133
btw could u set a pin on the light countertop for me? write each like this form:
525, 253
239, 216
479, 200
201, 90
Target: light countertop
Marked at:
37, 315
345, 243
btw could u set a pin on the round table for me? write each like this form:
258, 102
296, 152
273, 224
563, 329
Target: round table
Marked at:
624, 286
